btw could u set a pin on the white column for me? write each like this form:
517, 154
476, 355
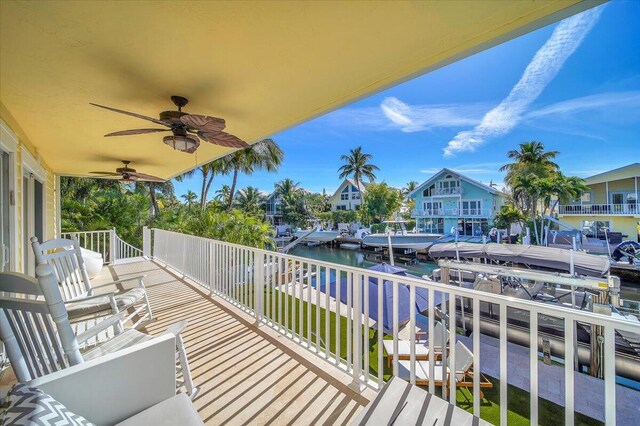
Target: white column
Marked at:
635, 183
112, 245
58, 201
606, 186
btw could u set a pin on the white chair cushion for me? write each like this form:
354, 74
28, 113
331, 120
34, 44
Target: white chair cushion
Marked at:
177, 410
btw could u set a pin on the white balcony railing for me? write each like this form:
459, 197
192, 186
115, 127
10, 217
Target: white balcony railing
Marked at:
279, 291
453, 212
600, 209
105, 242
448, 191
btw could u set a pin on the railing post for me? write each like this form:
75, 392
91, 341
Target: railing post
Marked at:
357, 330
258, 286
146, 242
112, 245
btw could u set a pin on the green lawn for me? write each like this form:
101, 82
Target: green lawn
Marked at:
518, 413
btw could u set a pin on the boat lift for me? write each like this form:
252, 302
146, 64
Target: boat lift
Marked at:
294, 243
610, 283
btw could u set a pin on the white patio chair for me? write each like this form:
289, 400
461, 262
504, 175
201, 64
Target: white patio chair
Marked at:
422, 346
463, 370
65, 256
39, 339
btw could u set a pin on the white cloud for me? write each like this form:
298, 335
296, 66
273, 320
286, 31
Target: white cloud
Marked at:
415, 118
630, 99
543, 68
394, 114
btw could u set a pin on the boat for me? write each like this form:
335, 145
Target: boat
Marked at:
593, 294
349, 246
400, 237
537, 257
318, 236
625, 261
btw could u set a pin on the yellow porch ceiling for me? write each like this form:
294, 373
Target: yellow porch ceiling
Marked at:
262, 66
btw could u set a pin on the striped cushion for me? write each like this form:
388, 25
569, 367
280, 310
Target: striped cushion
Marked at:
33, 407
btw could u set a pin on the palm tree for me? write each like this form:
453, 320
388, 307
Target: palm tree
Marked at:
222, 194
409, 188
357, 164
164, 188
250, 200
531, 158
190, 198
558, 189
287, 187
208, 171
263, 155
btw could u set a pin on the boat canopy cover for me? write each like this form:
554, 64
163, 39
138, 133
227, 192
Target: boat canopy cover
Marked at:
545, 257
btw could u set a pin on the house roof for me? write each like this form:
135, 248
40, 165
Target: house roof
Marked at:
262, 66
461, 176
346, 182
624, 172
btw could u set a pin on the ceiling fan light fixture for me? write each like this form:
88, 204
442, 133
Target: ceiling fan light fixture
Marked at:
186, 143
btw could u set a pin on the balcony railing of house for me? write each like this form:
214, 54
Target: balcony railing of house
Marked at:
278, 290
453, 212
600, 209
106, 242
447, 191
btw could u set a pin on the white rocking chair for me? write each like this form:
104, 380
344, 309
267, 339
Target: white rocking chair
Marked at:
39, 339
65, 257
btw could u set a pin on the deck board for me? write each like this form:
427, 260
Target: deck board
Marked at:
246, 374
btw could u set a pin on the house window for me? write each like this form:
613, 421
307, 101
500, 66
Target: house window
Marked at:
433, 207
355, 196
429, 191
596, 228
473, 227
357, 206
472, 208
344, 197
586, 197
341, 207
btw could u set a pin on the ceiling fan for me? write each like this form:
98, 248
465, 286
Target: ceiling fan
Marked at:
186, 129
129, 175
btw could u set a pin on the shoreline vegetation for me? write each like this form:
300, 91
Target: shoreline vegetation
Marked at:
534, 186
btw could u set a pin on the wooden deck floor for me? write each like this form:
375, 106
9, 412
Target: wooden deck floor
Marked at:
246, 374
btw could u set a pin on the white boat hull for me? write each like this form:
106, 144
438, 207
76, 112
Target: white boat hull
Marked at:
411, 241
318, 236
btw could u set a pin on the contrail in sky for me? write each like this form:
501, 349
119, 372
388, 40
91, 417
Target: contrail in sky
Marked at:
544, 66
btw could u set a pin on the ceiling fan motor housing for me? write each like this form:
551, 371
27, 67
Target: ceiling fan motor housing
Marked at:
186, 143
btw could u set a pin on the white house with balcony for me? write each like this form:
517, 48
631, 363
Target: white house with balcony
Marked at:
348, 196
451, 200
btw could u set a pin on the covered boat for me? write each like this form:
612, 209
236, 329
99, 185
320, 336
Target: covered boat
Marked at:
538, 256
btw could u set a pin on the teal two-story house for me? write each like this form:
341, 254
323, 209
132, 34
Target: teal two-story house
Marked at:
449, 200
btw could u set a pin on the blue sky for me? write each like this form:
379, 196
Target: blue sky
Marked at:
575, 86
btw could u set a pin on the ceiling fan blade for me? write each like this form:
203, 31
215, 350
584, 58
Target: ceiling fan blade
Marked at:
105, 173
136, 132
144, 176
203, 123
223, 139
133, 114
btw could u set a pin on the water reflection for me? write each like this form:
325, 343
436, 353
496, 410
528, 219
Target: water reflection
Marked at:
354, 258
